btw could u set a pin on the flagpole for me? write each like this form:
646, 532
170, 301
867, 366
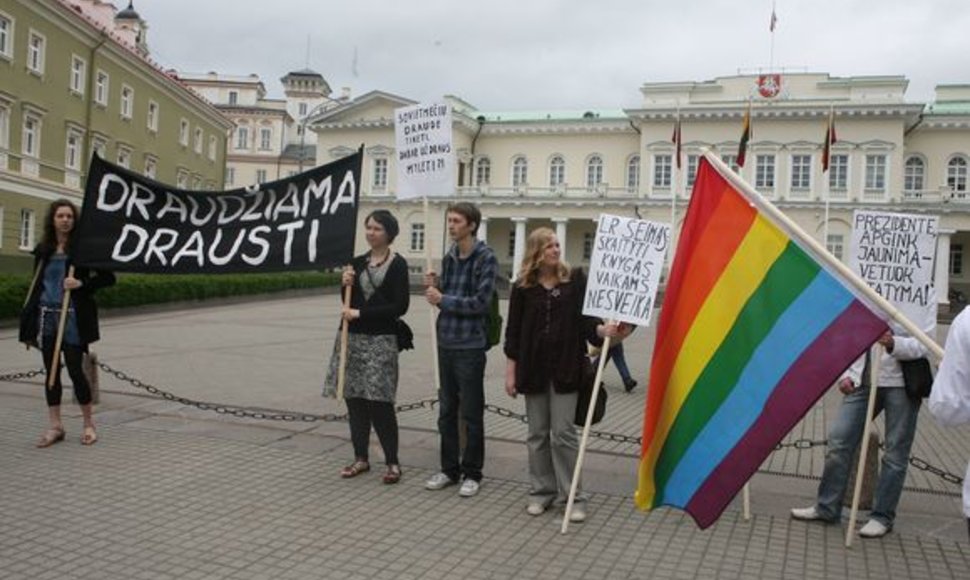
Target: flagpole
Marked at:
826, 165
823, 255
771, 52
866, 434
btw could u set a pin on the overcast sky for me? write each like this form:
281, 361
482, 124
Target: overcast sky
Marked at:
557, 54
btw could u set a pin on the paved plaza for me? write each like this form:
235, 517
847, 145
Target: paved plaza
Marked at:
172, 491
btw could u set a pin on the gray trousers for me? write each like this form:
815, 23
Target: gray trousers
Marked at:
552, 445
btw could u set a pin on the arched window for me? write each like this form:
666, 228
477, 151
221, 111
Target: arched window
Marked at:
633, 173
913, 173
520, 171
594, 171
557, 171
483, 171
956, 174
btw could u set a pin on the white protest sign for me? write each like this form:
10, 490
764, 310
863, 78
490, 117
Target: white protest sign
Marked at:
624, 270
425, 155
893, 253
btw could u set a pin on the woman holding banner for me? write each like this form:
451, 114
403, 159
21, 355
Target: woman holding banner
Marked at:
39, 320
545, 343
379, 298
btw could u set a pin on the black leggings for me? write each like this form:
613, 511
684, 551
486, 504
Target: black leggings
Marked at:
363, 413
72, 359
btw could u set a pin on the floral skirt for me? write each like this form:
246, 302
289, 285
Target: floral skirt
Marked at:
371, 371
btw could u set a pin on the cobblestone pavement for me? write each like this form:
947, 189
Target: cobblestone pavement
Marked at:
171, 492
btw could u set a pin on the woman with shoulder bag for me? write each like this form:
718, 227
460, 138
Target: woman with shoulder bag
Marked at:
545, 344
41, 315
380, 296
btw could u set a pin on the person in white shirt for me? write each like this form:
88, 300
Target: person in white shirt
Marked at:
950, 398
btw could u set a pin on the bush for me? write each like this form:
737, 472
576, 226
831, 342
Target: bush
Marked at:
141, 289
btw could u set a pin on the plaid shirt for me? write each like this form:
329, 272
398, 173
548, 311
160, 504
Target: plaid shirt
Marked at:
467, 286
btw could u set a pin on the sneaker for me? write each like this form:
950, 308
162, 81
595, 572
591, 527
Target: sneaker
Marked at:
874, 529
809, 514
629, 385
578, 515
535, 508
469, 487
439, 481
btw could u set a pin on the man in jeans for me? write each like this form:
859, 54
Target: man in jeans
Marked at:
463, 296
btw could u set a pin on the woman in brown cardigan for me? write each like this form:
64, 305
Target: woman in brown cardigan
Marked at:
545, 342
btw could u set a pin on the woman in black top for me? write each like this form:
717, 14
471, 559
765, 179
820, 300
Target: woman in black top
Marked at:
379, 297
41, 313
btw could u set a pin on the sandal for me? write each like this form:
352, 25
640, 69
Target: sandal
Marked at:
90, 436
392, 475
50, 437
355, 469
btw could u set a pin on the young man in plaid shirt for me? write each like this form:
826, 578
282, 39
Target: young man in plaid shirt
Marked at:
463, 296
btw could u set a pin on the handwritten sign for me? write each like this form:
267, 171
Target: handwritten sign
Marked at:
624, 271
425, 155
894, 254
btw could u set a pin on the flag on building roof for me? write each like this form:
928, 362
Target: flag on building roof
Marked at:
774, 20
745, 136
754, 328
830, 140
676, 138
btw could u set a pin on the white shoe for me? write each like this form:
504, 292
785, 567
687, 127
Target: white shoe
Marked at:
809, 514
535, 508
469, 487
578, 515
874, 529
439, 481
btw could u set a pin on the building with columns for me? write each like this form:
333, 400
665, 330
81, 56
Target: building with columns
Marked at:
562, 169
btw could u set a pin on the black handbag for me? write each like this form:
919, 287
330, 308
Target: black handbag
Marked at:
917, 377
405, 336
586, 393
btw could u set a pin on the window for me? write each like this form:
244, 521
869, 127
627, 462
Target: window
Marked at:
242, 138
557, 171
182, 179
303, 109
230, 175
732, 162
72, 155
839, 172
36, 45
26, 237
835, 245
31, 136
483, 172
1, 226
127, 101
233, 97
956, 259
692, 161
99, 145
6, 37
4, 127
197, 142
956, 174
151, 167
124, 157
265, 138
633, 174
662, 171
520, 171
913, 172
260, 176
153, 116
801, 172
78, 74
213, 147
594, 171
417, 237
588, 245
184, 133
101, 82
511, 248
875, 172
380, 172
764, 172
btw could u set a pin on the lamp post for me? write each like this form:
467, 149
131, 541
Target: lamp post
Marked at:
306, 119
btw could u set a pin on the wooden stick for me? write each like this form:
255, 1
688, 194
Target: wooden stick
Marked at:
61, 324
582, 444
822, 254
432, 311
746, 502
30, 290
863, 451
344, 332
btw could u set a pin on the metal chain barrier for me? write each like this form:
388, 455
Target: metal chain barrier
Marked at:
276, 415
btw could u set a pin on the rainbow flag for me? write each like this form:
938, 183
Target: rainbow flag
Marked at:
752, 332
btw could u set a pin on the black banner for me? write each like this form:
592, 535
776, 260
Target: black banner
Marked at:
133, 224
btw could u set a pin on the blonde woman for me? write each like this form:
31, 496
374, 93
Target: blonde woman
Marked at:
545, 342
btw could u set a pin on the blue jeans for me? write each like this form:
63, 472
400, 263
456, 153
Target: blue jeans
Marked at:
845, 436
462, 374
618, 357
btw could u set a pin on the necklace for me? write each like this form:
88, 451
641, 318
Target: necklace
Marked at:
382, 260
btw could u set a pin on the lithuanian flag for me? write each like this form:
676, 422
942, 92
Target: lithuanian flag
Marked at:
754, 328
745, 137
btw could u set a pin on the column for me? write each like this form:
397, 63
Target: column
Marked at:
483, 230
561, 224
941, 274
519, 252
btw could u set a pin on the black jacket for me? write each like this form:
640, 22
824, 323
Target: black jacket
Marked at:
391, 300
85, 308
